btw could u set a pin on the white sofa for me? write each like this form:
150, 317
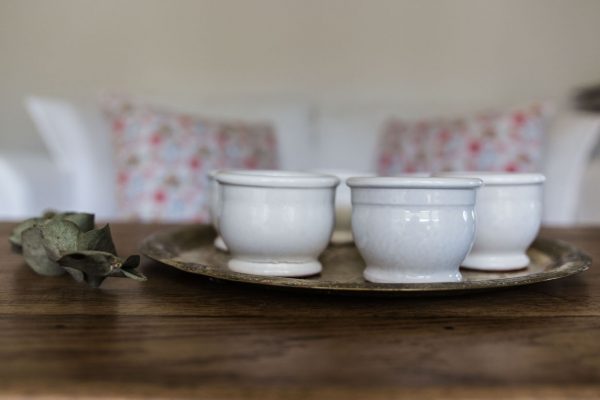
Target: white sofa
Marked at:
77, 173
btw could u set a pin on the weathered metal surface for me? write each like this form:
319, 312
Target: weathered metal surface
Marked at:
191, 249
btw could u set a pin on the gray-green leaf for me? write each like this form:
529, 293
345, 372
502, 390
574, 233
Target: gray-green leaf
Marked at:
75, 274
131, 262
129, 268
35, 255
60, 237
95, 266
97, 239
84, 221
133, 274
91, 262
15, 236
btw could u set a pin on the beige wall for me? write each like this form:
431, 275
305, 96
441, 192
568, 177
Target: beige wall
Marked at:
427, 54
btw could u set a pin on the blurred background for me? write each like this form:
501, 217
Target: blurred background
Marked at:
122, 107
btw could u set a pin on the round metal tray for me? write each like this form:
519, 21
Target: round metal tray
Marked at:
191, 249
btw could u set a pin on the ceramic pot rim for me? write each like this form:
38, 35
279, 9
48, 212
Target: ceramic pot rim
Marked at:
413, 182
276, 178
499, 178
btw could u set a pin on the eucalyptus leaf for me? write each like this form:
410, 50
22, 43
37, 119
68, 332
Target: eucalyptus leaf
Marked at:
15, 236
131, 262
95, 281
97, 239
133, 274
92, 267
35, 253
48, 214
95, 266
59, 237
75, 274
129, 268
84, 221
90, 262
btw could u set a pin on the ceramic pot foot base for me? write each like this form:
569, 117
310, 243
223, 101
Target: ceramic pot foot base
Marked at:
286, 269
382, 275
486, 262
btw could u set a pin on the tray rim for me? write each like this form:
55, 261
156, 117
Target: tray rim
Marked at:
572, 261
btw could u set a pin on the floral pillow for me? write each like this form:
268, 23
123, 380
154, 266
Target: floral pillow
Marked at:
510, 142
163, 158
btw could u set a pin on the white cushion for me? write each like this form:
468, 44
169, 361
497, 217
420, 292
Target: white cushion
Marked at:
291, 119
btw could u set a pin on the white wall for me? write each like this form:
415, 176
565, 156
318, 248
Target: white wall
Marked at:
422, 55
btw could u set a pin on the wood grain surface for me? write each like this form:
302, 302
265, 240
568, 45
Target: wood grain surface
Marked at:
180, 335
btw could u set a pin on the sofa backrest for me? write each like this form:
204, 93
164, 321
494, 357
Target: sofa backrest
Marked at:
571, 141
332, 138
79, 143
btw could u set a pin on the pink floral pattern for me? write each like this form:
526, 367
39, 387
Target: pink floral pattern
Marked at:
511, 142
163, 158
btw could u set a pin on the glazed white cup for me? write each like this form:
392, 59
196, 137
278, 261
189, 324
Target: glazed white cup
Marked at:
276, 223
411, 229
214, 200
509, 214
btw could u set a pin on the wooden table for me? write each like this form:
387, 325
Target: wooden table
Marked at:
180, 335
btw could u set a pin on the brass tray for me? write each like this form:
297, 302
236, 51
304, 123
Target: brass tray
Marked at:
191, 249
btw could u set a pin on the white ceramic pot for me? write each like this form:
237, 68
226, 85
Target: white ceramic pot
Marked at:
276, 223
412, 229
214, 199
509, 214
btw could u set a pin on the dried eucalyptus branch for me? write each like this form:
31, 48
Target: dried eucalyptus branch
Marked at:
67, 242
